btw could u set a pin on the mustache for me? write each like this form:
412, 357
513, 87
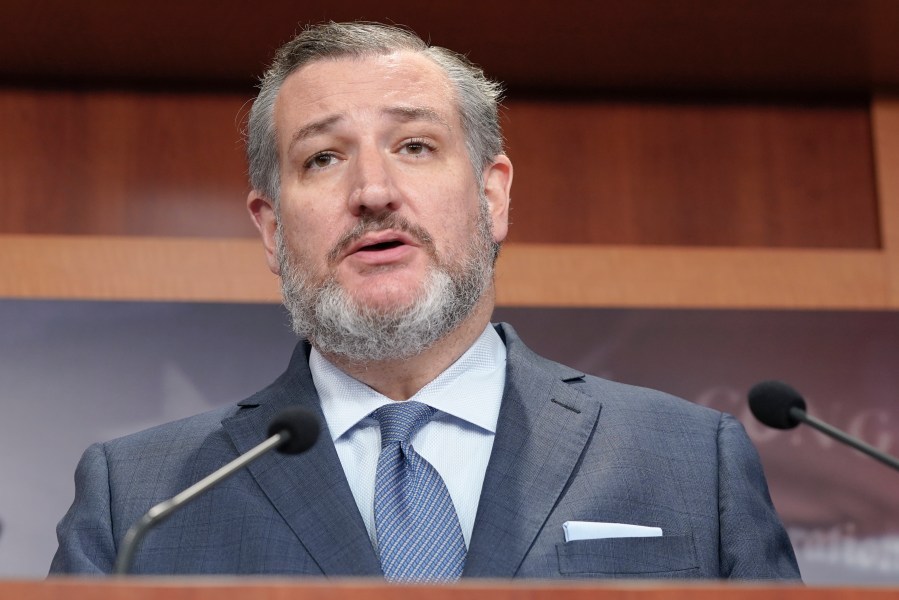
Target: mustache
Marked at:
369, 224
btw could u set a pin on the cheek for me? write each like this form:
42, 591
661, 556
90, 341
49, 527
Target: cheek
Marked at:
455, 230
296, 235
310, 238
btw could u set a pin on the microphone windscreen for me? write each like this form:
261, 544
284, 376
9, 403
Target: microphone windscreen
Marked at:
301, 426
771, 401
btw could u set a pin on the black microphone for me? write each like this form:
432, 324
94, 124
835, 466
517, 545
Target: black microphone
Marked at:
292, 431
778, 405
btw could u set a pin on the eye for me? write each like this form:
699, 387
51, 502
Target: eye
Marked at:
416, 147
320, 161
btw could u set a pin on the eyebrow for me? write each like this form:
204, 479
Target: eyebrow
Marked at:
405, 114
312, 129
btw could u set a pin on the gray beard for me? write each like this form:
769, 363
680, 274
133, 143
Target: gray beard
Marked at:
335, 324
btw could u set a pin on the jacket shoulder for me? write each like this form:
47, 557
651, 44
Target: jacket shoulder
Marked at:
649, 402
615, 397
189, 431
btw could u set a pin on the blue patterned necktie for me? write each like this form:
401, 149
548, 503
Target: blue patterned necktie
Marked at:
419, 537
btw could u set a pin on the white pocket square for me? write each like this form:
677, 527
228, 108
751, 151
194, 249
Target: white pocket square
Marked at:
594, 530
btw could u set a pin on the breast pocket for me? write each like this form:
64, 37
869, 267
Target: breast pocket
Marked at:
636, 558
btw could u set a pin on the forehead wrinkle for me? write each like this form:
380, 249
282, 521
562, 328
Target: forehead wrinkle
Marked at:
311, 129
408, 114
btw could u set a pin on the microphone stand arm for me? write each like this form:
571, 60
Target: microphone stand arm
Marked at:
161, 511
801, 415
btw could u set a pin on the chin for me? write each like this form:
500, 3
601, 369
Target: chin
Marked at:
388, 293
385, 303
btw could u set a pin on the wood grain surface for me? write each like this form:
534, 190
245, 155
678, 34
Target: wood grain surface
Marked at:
211, 588
164, 164
191, 269
692, 174
886, 125
135, 268
122, 163
695, 45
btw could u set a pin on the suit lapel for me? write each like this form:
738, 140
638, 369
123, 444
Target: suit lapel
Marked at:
543, 428
309, 490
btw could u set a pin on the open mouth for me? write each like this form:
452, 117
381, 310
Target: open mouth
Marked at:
380, 246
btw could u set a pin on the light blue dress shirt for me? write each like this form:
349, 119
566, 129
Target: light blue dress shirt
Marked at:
457, 442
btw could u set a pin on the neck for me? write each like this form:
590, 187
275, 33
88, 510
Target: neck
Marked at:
400, 379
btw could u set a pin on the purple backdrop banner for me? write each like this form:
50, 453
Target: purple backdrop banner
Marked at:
72, 373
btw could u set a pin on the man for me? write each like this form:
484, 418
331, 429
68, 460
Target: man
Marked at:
381, 193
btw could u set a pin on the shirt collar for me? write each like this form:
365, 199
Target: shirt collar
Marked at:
469, 389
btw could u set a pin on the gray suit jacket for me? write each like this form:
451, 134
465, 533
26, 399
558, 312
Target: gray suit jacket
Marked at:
568, 447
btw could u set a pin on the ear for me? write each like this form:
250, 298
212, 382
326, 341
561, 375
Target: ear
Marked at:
497, 189
262, 212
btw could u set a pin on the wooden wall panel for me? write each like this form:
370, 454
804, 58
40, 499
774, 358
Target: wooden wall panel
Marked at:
561, 47
104, 163
274, 588
111, 163
135, 268
696, 175
283, 588
204, 270
886, 135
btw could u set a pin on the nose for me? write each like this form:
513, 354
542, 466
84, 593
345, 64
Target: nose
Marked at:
373, 189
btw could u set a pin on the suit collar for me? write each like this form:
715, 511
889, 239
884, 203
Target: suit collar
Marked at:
309, 490
544, 426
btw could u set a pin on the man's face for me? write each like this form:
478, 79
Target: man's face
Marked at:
377, 187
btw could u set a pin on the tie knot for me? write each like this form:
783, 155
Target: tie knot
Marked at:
400, 420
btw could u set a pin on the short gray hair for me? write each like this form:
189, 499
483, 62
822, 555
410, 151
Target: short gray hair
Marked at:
477, 97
